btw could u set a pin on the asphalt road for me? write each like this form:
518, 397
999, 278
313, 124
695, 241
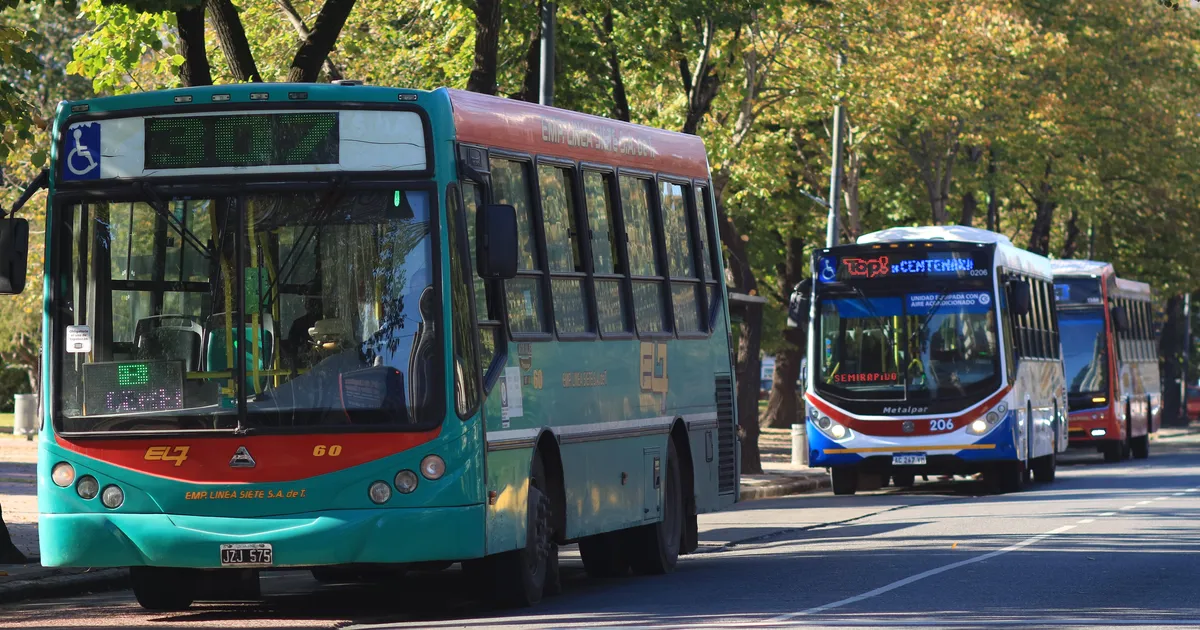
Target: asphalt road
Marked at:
1104, 546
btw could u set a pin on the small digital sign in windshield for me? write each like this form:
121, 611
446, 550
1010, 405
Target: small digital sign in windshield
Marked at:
880, 265
1078, 291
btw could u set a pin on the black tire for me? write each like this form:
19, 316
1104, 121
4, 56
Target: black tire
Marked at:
844, 480
656, 547
1140, 447
1005, 477
163, 589
519, 576
904, 480
1112, 451
604, 555
1045, 468
1127, 443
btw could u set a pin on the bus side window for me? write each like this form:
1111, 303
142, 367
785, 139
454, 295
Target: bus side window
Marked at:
608, 270
707, 248
466, 366
644, 261
526, 305
487, 307
686, 284
563, 255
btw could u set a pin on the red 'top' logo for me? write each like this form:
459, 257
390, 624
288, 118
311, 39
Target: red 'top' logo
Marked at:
867, 267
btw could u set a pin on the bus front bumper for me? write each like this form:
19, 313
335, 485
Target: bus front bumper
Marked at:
955, 452
298, 540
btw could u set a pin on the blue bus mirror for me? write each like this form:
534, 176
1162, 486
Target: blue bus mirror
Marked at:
1020, 300
496, 258
14, 254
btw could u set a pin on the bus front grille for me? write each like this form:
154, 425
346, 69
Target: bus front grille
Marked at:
726, 460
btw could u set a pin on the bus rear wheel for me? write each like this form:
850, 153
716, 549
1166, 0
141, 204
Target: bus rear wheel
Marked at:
1006, 477
656, 547
1140, 446
604, 555
163, 589
844, 480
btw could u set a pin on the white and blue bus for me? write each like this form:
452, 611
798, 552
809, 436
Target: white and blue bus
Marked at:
933, 350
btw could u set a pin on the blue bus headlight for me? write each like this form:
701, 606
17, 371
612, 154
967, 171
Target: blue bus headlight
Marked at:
838, 431
978, 427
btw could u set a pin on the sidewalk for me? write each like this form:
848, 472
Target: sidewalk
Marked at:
780, 478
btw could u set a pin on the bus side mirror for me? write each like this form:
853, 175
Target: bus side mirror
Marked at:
14, 253
1120, 319
799, 303
1020, 300
496, 258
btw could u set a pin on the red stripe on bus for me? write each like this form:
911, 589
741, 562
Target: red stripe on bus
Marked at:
895, 428
276, 457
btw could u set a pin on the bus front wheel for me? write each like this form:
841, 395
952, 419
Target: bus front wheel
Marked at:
1006, 477
519, 577
844, 480
1045, 467
1140, 446
163, 589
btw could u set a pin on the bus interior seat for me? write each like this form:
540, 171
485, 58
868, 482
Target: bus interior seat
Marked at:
169, 337
215, 358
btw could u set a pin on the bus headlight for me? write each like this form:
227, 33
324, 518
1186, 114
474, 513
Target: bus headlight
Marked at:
823, 422
978, 427
87, 487
433, 467
838, 431
993, 417
379, 492
112, 497
406, 481
63, 474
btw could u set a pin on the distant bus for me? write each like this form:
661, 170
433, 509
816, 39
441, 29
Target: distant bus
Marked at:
1111, 358
356, 329
933, 350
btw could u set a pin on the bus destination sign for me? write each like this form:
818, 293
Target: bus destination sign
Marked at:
276, 139
879, 265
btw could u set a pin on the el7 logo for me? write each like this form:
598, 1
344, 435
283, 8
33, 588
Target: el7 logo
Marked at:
177, 454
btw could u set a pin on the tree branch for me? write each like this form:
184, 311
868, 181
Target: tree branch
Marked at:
315, 49
232, 39
302, 30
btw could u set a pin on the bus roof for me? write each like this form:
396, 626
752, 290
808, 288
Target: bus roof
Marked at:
506, 123
1007, 255
1082, 268
1132, 289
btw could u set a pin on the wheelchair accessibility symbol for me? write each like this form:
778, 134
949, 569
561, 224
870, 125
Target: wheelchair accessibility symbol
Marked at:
83, 156
828, 270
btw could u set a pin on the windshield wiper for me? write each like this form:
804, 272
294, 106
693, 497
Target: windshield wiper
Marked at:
155, 201
928, 316
879, 320
320, 216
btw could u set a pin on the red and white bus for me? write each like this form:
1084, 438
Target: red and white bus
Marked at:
1110, 358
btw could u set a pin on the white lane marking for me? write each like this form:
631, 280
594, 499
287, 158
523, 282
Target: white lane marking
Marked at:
1161, 498
1107, 514
1087, 520
921, 576
1142, 502
1192, 490
1128, 507
1178, 494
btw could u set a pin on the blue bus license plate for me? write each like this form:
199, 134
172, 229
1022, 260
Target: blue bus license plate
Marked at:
913, 459
247, 555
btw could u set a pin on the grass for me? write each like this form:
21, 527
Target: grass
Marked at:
6, 421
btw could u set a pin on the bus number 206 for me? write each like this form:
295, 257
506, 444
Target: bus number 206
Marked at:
941, 425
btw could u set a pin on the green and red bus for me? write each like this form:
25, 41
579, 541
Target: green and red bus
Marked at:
356, 329
1111, 358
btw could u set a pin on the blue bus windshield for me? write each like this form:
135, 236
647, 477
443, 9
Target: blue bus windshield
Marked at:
914, 346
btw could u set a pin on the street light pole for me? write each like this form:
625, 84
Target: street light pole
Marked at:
835, 174
546, 86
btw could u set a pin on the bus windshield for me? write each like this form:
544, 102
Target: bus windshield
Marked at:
1085, 350
910, 346
248, 311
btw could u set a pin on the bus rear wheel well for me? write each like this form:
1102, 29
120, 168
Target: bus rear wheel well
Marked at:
547, 446
687, 472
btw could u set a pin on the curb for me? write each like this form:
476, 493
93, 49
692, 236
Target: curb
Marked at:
36, 587
786, 487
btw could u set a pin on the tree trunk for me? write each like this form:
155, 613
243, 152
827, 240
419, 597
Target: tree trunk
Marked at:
293, 16
1170, 359
1043, 220
783, 406
968, 212
306, 66
487, 44
195, 70
851, 171
232, 39
701, 83
620, 109
1071, 242
9, 554
531, 86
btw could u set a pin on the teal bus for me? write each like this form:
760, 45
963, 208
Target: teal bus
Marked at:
360, 330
